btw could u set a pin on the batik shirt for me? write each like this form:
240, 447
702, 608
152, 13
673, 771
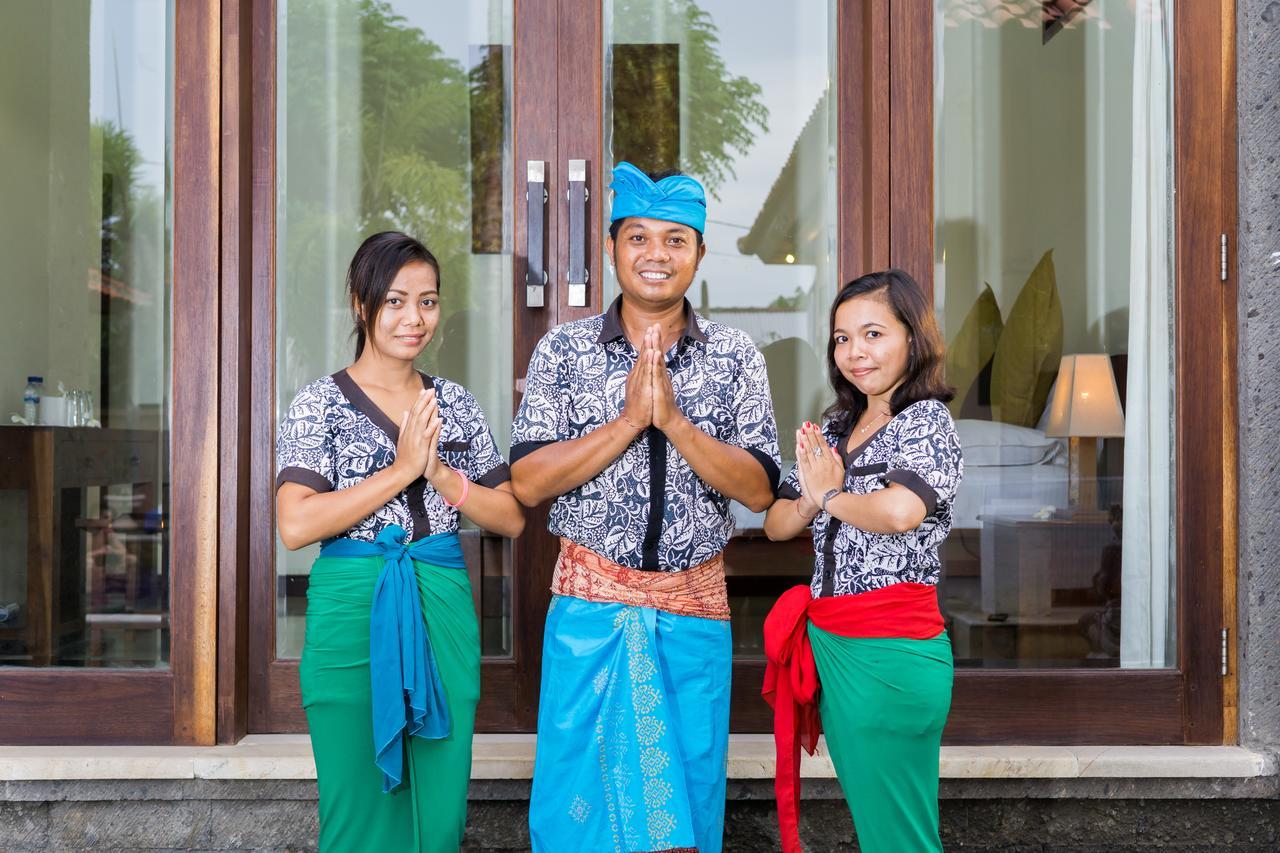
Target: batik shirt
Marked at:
647, 509
334, 436
918, 449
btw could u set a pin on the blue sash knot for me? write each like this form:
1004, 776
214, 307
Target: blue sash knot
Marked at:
408, 696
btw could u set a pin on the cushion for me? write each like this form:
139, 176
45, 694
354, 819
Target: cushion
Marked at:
973, 346
1029, 350
992, 444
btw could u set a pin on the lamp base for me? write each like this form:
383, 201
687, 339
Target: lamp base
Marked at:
1082, 483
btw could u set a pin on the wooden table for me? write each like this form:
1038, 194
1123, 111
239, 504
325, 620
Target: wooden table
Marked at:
52, 465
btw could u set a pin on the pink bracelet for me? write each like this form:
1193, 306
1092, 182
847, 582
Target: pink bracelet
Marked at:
466, 488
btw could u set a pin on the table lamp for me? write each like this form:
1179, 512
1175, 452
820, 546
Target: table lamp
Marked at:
1085, 407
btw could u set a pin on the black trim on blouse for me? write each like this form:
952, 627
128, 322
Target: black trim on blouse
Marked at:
915, 483
524, 448
303, 477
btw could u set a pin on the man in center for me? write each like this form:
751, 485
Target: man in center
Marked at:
643, 423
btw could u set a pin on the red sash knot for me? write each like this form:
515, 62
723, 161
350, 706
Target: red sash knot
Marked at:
901, 610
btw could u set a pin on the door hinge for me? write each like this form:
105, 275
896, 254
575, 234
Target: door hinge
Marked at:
1224, 651
1222, 257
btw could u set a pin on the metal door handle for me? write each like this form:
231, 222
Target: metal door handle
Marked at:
578, 195
535, 277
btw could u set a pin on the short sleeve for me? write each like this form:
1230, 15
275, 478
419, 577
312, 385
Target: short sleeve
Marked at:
543, 416
484, 463
926, 458
757, 430
790, 488
304, 447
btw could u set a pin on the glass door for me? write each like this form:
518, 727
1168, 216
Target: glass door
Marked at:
746, 101
482, 135
396, 115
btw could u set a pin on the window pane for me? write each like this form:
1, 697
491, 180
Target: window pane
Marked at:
736, 94
85, 131
396, 115
1054, 289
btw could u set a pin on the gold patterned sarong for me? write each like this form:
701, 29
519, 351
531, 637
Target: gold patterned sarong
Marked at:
696, 591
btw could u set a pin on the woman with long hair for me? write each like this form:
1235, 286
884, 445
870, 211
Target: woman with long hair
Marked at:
377, 462
861, 652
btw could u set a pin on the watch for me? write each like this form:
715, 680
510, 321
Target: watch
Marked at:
828, 496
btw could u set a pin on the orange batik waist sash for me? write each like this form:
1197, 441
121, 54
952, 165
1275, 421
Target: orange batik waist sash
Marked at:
695, 591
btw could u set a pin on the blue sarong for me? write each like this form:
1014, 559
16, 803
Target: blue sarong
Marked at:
633, 730
408, 695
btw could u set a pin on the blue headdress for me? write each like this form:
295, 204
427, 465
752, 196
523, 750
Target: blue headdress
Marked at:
678, 198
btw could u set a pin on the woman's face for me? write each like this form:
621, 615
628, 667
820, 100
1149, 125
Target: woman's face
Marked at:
655, 259
409, 314
872, 344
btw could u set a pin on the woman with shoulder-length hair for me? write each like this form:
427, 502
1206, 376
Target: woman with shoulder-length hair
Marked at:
861, 652
376, 462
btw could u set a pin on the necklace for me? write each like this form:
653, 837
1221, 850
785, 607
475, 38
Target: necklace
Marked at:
863, 431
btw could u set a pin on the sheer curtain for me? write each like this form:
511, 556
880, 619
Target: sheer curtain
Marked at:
1146, 639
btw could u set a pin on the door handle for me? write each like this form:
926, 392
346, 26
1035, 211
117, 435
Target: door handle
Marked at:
578, 195
535, 194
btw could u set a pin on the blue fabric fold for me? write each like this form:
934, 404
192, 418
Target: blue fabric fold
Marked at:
678, 198
408, 696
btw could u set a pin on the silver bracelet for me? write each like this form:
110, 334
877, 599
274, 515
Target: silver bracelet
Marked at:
828, 496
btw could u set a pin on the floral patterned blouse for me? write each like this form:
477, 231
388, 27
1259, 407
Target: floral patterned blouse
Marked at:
918, 449
333, 436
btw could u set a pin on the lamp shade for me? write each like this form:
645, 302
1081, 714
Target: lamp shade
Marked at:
1085, 402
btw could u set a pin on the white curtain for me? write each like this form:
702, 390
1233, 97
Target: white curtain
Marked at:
1148, 553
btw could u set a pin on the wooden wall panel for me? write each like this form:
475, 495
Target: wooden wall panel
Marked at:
235, 359
911, 140
194, 452
1204, 160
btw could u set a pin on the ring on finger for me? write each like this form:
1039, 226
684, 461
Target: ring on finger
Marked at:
817, 452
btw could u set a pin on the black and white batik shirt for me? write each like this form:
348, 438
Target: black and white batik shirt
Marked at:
918, 449
647, 509
333, 436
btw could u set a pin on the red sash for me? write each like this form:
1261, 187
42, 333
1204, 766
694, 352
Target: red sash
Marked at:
903, 610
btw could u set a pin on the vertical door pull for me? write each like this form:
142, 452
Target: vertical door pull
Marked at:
578, 195
535, 277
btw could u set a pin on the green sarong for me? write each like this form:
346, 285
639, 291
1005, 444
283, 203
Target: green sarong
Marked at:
428, 812
884, 703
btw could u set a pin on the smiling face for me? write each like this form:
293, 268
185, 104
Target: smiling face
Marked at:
409, 315
655, 260
872, 345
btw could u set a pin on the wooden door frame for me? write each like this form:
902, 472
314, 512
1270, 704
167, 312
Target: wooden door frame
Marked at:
177, 705
888, 86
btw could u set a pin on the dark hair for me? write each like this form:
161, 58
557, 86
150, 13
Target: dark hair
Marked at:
373, 267
925, 379
616, 224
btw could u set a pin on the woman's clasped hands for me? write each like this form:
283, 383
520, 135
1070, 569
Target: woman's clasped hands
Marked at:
418, 446
820, 467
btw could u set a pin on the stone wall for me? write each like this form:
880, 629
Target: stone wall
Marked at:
1032, 815
1258, 266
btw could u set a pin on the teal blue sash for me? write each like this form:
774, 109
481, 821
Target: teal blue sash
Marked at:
408, 697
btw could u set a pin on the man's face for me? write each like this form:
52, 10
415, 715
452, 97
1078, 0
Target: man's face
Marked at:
655, 259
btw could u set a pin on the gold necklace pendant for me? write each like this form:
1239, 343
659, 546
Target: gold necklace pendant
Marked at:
870, 423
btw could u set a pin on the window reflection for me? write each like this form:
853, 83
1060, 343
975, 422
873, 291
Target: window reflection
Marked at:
1054, 291
736, 95
84, 230
396, 115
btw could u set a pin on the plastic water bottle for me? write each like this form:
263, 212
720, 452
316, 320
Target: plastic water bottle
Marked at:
31, 399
